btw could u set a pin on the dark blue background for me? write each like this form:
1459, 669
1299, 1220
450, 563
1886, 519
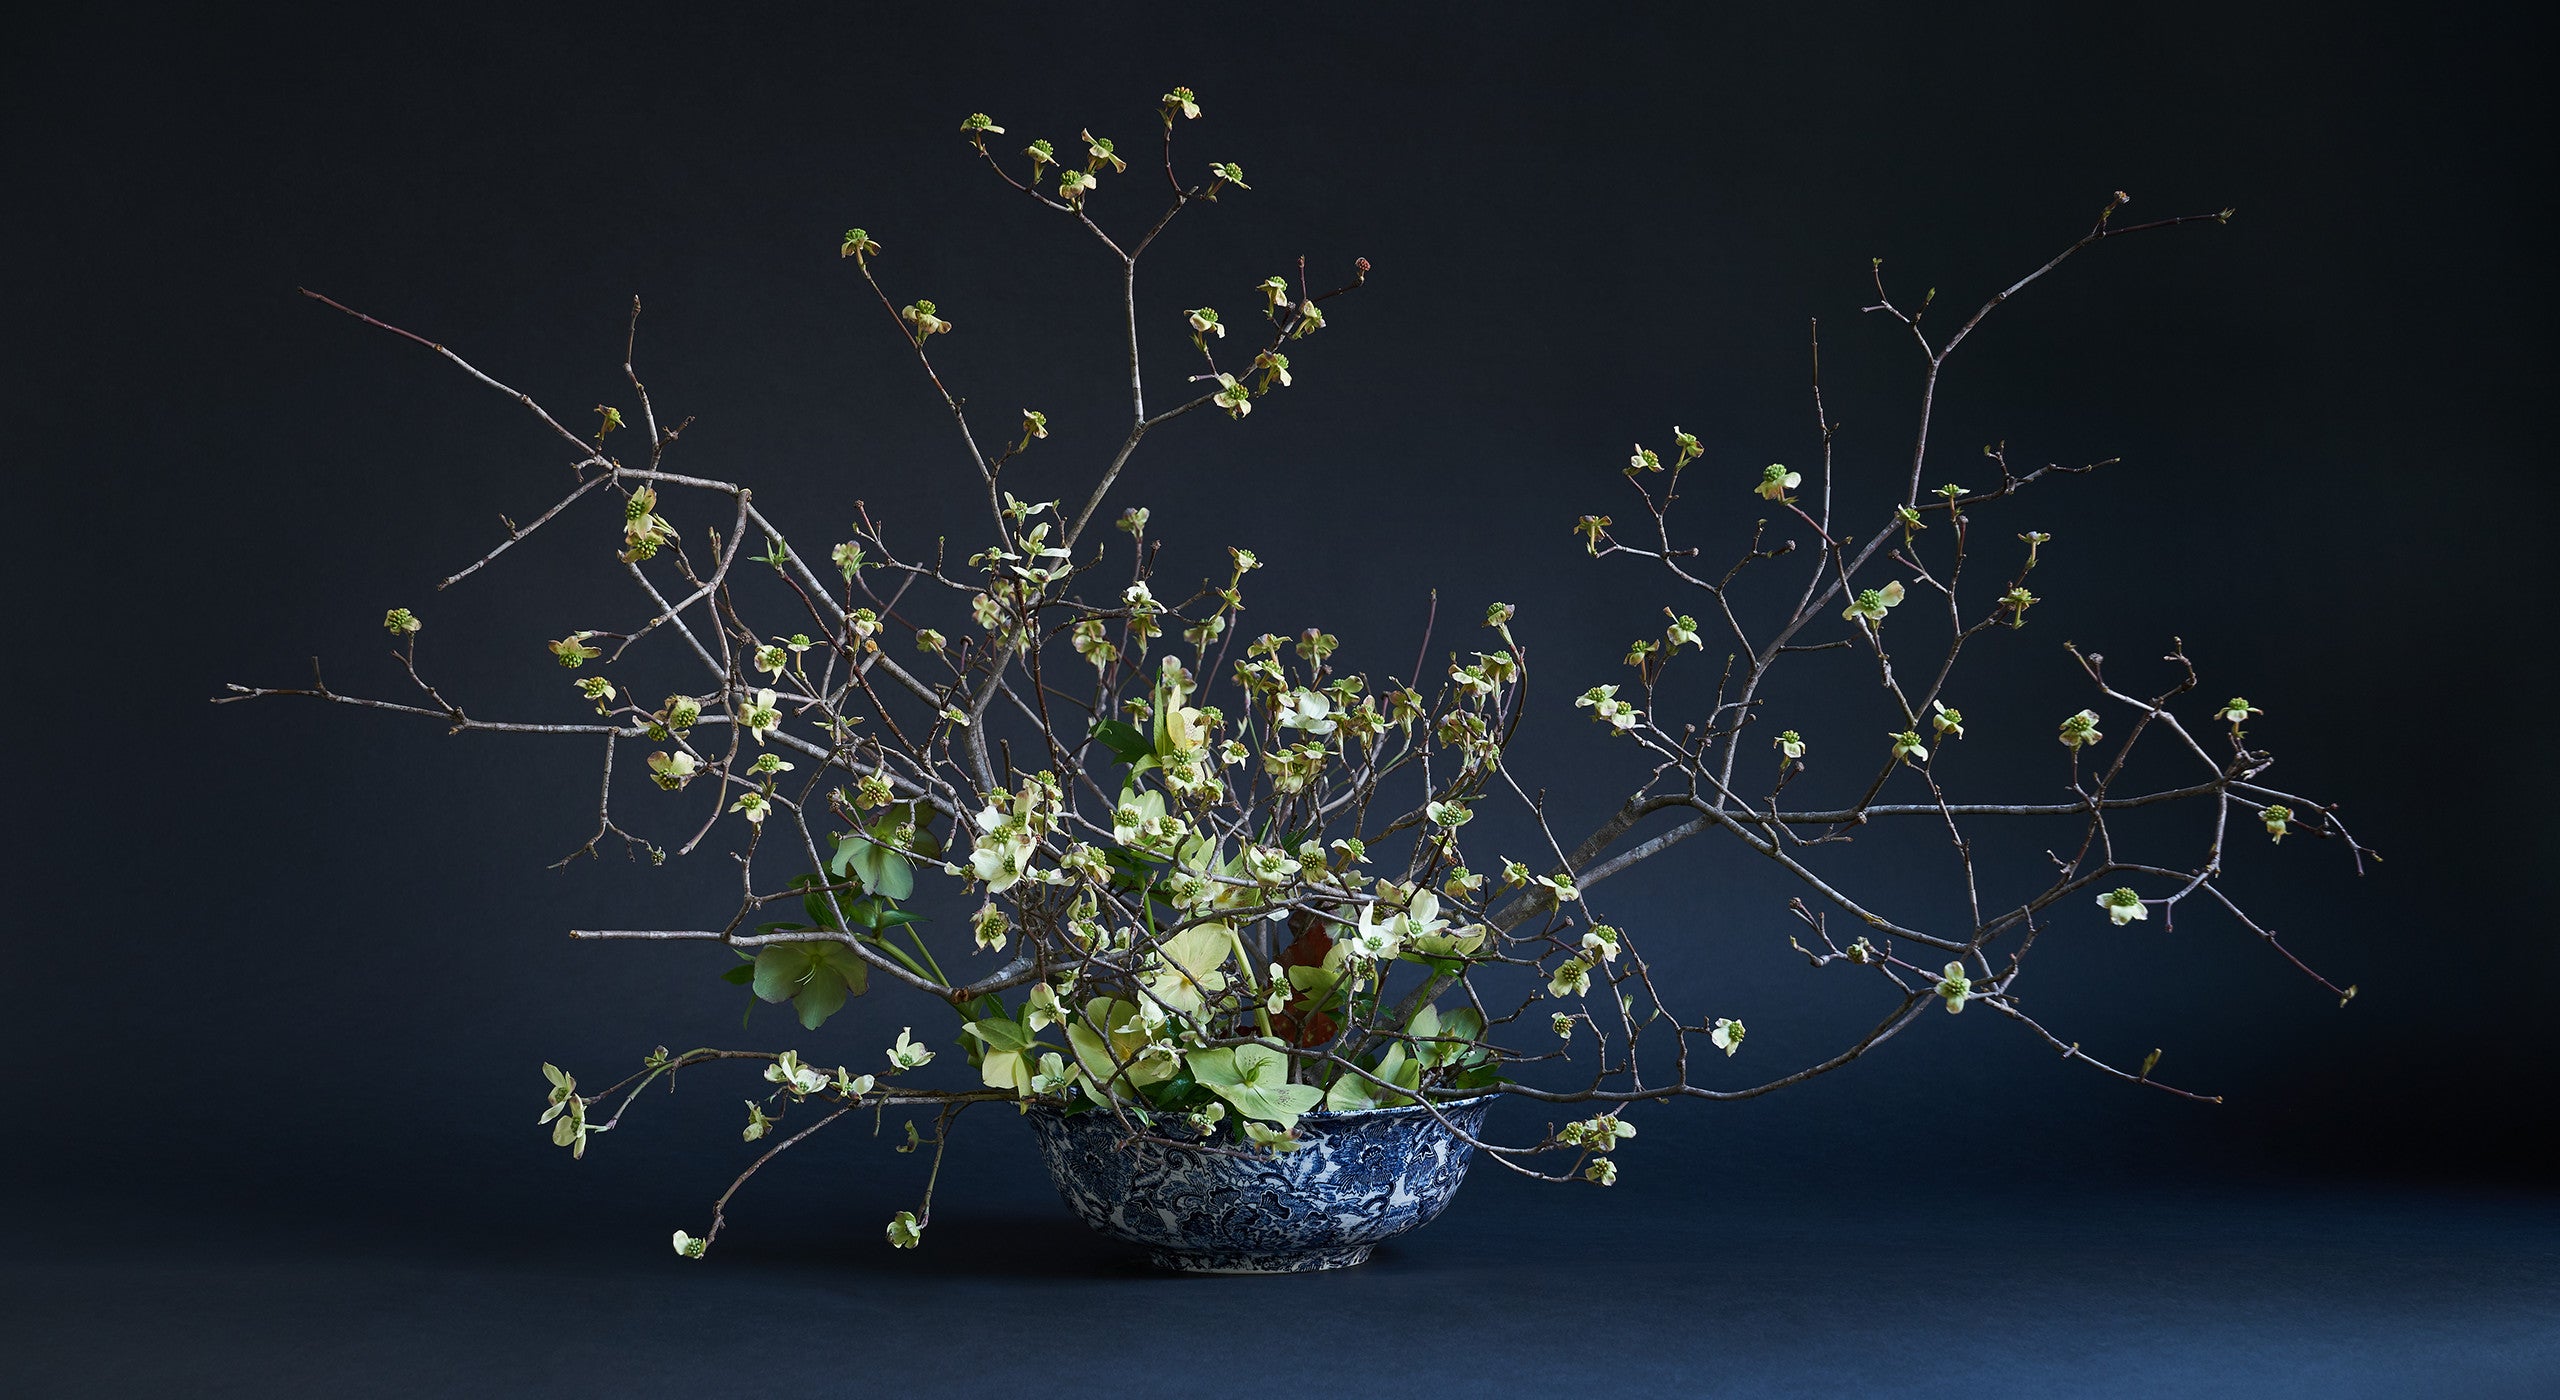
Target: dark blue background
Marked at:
275, 980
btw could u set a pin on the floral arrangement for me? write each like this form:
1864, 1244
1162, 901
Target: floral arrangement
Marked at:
1224, 881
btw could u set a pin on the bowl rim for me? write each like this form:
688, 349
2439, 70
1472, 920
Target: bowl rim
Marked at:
1321, 1116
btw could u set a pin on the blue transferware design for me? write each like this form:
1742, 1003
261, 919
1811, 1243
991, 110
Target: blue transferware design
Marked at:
1228, 1209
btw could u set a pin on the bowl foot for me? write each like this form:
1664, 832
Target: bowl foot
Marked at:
1237, 1263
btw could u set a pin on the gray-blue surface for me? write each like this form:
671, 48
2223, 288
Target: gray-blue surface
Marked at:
1518, 1290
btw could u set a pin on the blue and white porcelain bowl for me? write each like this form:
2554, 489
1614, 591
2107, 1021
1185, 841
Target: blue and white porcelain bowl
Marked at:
1362, 1177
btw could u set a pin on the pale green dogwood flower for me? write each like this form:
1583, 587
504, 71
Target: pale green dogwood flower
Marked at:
905, 1231
1572, 976
788, 1071
2123, 906
1307, 710
906, 1054
761, 716
1907, 746
1275, 1139
1727, 1036
1871, 604
1946, 721
1776, 481
1790, 744
2081, 729
2276, 815
1607, 708
1955, 986
573, 650
688, 1247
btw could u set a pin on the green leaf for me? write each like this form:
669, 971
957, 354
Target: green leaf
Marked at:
1000, 1033
740, 975
1124, 741
820, 910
